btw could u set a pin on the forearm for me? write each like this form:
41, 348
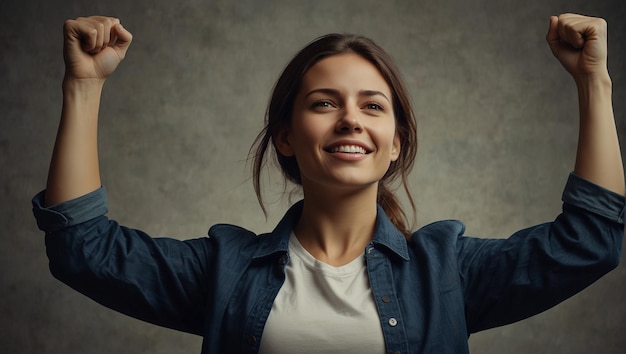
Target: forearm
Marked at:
74, 169
598, 156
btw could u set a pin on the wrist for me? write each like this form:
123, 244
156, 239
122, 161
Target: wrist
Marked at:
594, 80
71, 84
81, 97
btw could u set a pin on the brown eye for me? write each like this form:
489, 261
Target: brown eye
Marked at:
374, 106
322, 104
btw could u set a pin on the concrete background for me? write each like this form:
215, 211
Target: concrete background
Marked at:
497, 119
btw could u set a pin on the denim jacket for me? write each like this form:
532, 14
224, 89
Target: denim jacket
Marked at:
431, 291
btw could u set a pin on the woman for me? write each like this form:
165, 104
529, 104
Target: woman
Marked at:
340, 272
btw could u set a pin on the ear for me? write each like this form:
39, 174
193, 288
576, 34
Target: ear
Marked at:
282, 141
395, 148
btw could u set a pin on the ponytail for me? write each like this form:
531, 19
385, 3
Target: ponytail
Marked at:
392, 207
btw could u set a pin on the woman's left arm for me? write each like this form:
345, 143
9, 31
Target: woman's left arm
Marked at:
580, 44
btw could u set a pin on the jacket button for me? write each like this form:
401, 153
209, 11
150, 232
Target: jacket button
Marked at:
393, 322
386, 299
283, 259
252, 340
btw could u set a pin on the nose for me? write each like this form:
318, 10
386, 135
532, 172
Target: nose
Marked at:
348, 123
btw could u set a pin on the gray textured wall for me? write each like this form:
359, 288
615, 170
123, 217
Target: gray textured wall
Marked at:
497, 119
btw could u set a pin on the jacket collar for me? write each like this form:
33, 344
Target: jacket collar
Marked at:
386, 235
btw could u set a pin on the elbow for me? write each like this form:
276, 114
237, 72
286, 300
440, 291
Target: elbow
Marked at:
66, 258
609, 259
63, 265
612, 261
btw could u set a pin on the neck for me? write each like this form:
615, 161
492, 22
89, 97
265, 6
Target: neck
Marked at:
335, 227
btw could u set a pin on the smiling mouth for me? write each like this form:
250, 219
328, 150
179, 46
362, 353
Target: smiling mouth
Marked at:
348, 149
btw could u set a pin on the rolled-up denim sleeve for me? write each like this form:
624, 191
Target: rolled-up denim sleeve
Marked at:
586, 195
158, 280
506, 280
70, 213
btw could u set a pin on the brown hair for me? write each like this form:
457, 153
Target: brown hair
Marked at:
280, 109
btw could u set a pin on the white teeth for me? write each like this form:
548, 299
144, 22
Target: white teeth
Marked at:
351, 149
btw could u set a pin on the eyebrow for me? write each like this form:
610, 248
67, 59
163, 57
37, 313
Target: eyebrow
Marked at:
366, 93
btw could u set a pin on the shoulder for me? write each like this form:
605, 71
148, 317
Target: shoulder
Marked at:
228, 231
237, 236
439, 231
231, 235
438, 240
231, 243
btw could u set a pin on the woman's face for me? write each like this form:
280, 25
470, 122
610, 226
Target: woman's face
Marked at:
343, 132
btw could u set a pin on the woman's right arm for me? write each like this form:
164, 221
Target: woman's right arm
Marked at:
164, 281
93, 48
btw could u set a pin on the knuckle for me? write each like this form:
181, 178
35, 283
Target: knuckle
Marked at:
67, 24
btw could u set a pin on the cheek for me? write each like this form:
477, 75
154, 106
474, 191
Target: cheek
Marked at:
309, 132
392, 144
388, 134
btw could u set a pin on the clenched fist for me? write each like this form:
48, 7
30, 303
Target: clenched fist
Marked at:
94, 47
579, 43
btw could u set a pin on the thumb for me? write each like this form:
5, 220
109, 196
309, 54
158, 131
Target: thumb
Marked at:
553, 38
122, 41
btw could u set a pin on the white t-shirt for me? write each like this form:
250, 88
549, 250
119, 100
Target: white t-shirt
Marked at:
323, 309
